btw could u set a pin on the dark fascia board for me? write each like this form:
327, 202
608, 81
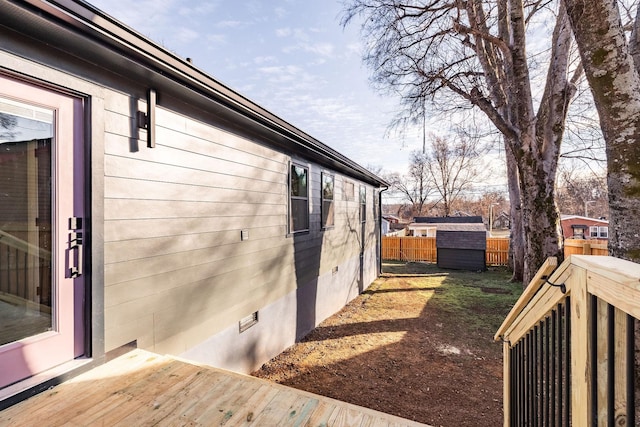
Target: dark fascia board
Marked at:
94, 23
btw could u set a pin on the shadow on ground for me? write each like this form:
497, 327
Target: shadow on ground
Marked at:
418, 343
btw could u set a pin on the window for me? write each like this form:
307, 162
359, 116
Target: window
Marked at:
299, 198
363, 203
599, 232
603, 232
327, 200
578, 231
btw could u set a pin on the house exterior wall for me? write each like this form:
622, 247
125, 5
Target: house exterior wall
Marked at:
169, 269
177, 272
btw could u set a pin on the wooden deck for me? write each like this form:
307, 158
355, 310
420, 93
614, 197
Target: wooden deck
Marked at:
142, 389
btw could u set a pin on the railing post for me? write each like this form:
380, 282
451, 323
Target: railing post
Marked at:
581, 403
506, 383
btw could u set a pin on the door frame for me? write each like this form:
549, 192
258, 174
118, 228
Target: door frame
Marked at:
83, 347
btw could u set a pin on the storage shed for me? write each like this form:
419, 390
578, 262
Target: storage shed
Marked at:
461, 242
145, 204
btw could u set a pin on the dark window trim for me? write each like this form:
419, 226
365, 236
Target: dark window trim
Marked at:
362, 203
290, 198
323, 225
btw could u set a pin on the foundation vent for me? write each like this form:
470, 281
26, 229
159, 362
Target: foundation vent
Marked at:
247, 322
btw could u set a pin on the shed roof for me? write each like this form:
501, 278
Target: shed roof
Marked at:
91, 35
461, 239
448, 219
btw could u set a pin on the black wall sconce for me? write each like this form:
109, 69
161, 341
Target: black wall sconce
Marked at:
148, 121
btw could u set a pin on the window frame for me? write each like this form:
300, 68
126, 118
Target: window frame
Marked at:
603, 232
599, 231
332, 201
291, 198
362, 202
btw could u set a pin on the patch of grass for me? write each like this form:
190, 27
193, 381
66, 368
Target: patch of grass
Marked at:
477, 300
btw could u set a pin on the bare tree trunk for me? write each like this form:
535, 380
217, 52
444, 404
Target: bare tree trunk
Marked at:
516, 246
538, 144
539, 216
615, 84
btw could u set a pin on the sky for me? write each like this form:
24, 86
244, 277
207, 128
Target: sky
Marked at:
291, 57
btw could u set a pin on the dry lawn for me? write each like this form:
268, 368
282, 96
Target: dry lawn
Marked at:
417, 344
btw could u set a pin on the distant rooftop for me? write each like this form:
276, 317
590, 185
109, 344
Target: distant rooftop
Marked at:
448, 219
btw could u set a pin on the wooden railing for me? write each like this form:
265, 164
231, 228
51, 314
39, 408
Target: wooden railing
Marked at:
423, 249
568, 345
25, 272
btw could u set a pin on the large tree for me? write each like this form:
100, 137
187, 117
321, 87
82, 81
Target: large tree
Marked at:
473, 53
612, 67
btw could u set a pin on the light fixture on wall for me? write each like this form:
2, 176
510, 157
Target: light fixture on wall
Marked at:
148, 121
151, 118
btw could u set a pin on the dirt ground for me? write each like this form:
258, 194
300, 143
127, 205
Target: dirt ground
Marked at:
418, 344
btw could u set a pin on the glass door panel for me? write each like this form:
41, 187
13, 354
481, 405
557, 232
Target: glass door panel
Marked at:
26, 134
41, 191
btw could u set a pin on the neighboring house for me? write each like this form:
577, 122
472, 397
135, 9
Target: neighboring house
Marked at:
422, 230
149, 205
426, 226
502, 221
580, 227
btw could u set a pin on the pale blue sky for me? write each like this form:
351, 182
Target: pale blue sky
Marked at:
290, 56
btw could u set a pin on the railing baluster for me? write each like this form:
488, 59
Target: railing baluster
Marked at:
529, 379
611, 365
523, 382
516, 386
553, 407
559, 336
534, 395
631, 371
567, 360
547, 376
593, 348
539, 375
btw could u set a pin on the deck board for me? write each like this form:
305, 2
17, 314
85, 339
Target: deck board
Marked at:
144, 389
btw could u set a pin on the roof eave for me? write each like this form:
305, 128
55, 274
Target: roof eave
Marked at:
92, 21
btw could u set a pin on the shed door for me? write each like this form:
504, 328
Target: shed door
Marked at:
41, 202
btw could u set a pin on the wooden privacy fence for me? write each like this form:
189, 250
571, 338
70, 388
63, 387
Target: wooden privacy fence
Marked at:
585, 247
497, 250
423, 249
569, 344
